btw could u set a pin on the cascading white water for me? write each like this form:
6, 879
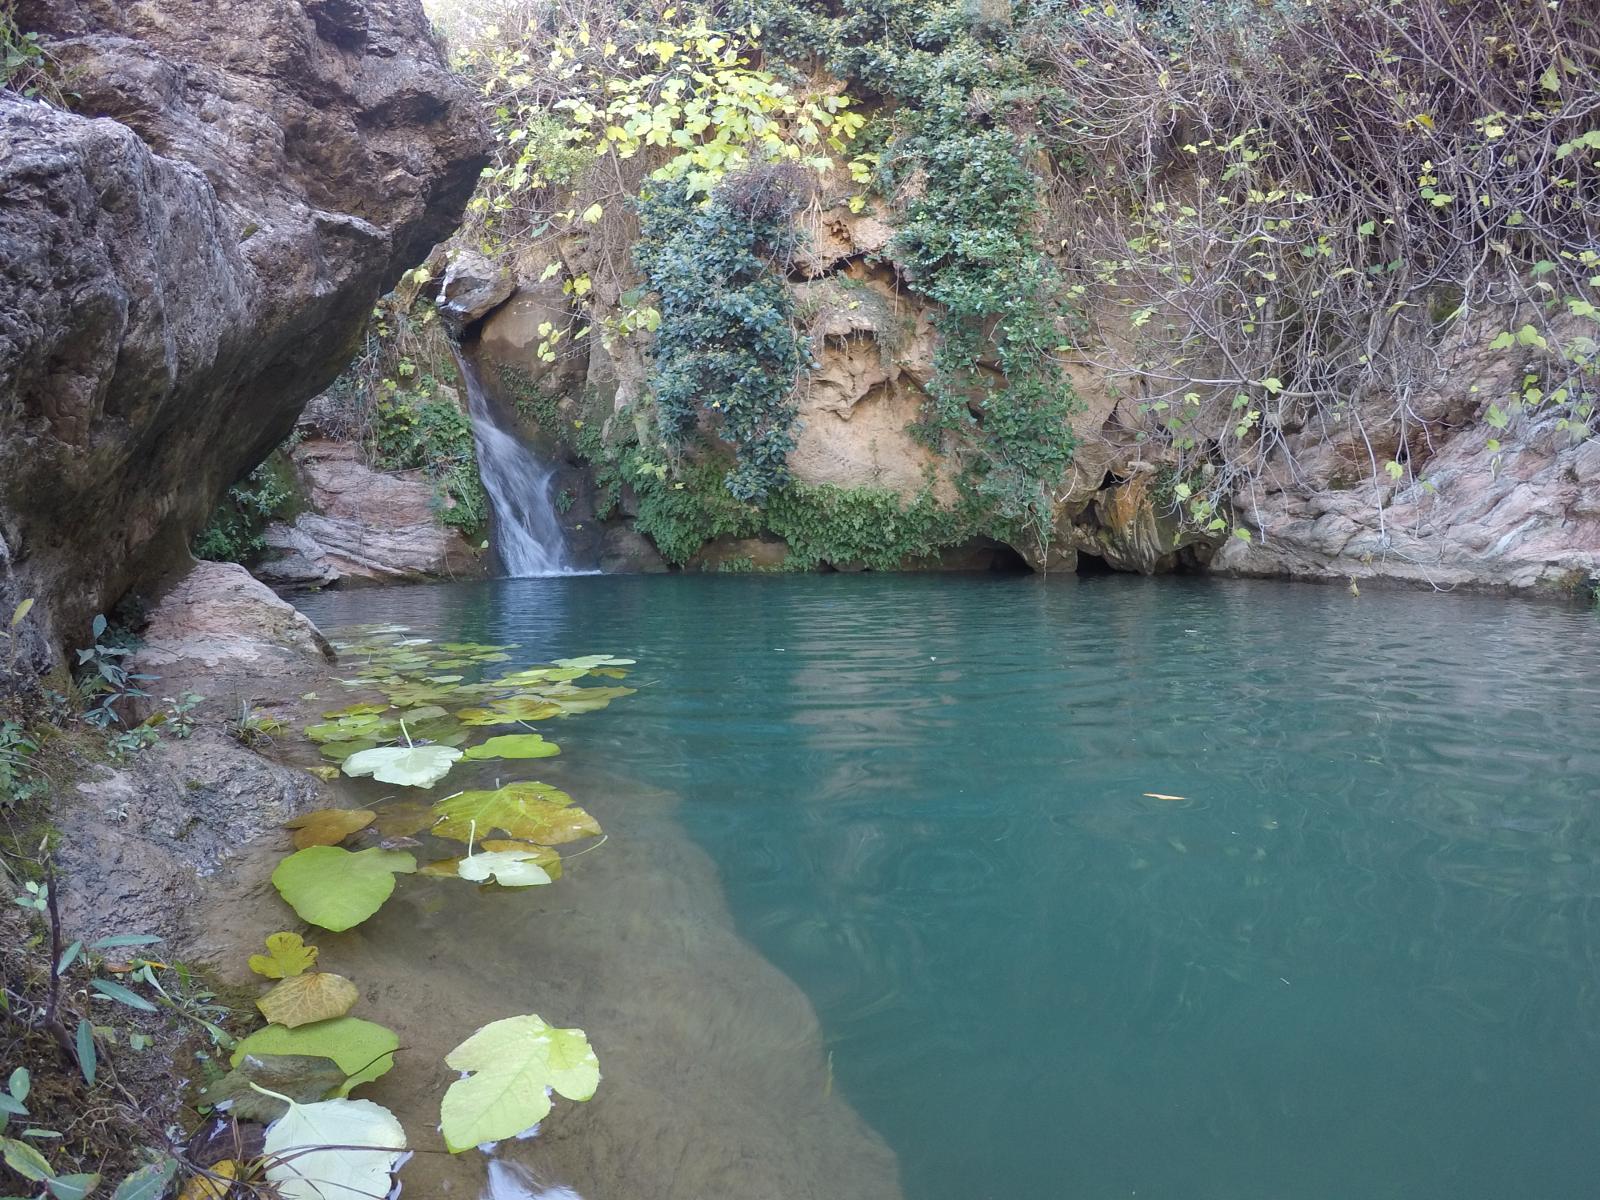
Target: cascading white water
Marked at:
527, 534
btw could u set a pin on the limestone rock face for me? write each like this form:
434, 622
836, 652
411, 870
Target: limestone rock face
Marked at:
365, 526
1527, 517
874, 349
223, 634
190, 255
472, 287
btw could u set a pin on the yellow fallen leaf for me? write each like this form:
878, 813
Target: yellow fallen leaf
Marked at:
287, 956
202, 1188
1161, 796
317, 996
328, 826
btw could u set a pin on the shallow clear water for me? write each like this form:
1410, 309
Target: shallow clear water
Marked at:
1357, 959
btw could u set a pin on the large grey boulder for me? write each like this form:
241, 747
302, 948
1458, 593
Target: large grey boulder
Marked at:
190, 255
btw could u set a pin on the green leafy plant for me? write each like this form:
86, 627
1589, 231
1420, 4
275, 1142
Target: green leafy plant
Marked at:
8, 632
20, 779
336, 888
235, 531
411, 431
726, 347
107, 682
26, 66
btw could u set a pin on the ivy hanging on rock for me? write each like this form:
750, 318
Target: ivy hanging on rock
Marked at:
727, 350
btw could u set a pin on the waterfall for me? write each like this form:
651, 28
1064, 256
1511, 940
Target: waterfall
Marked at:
527, 534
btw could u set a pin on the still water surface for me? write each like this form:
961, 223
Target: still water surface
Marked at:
1359, 957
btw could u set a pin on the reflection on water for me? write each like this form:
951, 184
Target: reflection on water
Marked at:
1356, 958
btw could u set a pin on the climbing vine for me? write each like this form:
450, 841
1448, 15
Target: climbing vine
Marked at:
1327, 216
726, 345
954, 163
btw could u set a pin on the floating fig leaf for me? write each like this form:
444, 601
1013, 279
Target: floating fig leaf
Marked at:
350, 729
527, 708
546, 856
513, 1064
414, 717
488, 716
363, 1050
356, 710
534, 811
328, 826
589, 661
339, 751
515, 745
301, 1077
287, 956
532, 675
313, 1154
408, 766
337, 888
404, 818
305, 999
508, 868
444, 868
584, 700
444, 678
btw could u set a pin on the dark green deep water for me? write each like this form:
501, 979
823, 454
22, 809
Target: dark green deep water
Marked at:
1359, 959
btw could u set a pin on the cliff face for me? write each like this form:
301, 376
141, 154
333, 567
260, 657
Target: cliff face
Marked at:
1516, 508
191, 254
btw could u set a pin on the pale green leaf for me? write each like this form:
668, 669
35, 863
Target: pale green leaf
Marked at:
407, 766
534, 811
510, 1065
514, 745
508, 868
335, 888
313, 1154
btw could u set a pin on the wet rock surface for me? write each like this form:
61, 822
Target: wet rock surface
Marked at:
138, 835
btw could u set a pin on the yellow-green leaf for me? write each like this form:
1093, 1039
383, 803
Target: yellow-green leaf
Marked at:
287, 956
314, 996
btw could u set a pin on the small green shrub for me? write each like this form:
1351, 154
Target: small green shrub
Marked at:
25, 66
19, 778
267, 494
870, 526
411, 432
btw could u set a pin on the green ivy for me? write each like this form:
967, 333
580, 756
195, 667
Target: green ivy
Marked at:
410, 432
726, 346
234, 532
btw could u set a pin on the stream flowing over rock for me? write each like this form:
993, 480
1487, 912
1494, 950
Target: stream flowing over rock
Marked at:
191, 254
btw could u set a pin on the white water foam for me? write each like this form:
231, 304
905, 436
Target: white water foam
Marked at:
526, 530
